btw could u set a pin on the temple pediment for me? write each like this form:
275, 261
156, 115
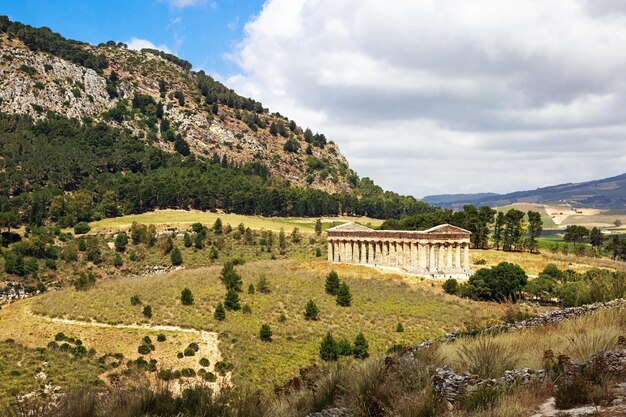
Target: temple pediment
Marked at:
349, 227
447, 228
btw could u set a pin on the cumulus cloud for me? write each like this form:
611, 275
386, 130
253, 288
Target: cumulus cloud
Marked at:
430, 96
137, 44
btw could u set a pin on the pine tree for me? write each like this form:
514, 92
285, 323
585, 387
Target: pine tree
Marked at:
117, 260
220, 313
176, 257
232, 300
282, 241
217, 226
186, 297
328, 348
332, 283
121, 240
230, 278
187, 240
360, 349
311, 310
318, 227
265, 333
344, 347
344, 297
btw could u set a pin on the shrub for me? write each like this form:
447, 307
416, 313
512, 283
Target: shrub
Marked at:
499, 283
344, 347
121, 240
147, 311
344, 297
230, 278
332, 283
251, 289
187, 240
81, 228
451, 286
135, 300
232, 300
328, 348
399, 328
247, 310
186, 297
176, 257
222, 367
262, 286
84, 281
144, 349
204, 362
180, 355
282, 318
117, 260
265, 333
161, 337
311, 310
219, 313
361, 347
189, 352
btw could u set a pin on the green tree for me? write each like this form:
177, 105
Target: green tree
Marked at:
296, 237
81, 228
596, 238
147, 311
575, 233
117, 260
311, 311
217, 226
219, 313
318, 227
265, 333
328, 348
230, 278
497, 229
186, 297
344, 297
332, 283
187, 240
231, 301
176, 257
282, 241
360, 350
451, 286
513, 229
535, 227
121, 240
499, 283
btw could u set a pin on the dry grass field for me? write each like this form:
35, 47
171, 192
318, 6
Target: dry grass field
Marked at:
380, 301
183, 218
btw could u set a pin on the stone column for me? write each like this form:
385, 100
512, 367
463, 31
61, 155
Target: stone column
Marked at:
449, 250
421, 252
330, 251
466, 257
457, 260
383, 253
407, 255
370, 253
441, 257
432, 263
359, 252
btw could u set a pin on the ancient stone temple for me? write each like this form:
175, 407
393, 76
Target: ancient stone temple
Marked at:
440, 251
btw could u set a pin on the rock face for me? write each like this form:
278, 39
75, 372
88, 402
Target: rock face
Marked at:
35, 83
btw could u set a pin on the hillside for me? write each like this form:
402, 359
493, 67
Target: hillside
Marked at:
157, 97
606, 193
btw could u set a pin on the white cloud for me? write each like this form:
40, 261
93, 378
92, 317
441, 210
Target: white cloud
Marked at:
179, 4
137, 44
438, 96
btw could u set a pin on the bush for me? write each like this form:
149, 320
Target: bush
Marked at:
135, 300
81, 228
332, 283
147, 312
230, 278
451, 286
311, 311
265, 333
204, 362
161, 337
117, 260
219, 313
189, 352
499, 283
251, 289
144, 349
328, 348
121, 240
344, 297
247, 310
399, 328
84, 281
176, 257
186, 297
344, 347
262, 286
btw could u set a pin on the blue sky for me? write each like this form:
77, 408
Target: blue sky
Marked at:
200, 31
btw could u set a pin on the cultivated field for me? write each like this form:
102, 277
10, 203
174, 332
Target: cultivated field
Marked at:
182, 218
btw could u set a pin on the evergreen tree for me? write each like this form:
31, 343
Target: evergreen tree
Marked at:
230, 278
251, 289
318, 227
265, 333
282, 241
262, 286
535, 227
328, 348
217, 226
186, 297
147, 311
121, 240
497, 229
198, 240
232, 300
344, 347
219, 313
176, 257
187, 240
332, 283
311, 310
399, 328
596, 238
360, 349
117, 260
344, 297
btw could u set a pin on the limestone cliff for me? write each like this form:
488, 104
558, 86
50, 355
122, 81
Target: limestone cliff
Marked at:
35, 83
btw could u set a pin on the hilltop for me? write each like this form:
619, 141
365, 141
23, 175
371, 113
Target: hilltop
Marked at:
606, 193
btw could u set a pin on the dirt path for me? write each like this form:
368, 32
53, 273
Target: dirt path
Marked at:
209, 345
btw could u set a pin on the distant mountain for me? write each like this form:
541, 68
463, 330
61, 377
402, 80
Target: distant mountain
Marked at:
607, 193
443, 199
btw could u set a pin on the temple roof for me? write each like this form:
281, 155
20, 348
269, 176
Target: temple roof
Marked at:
349, 227
446, 228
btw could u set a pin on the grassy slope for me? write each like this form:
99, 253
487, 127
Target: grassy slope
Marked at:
178, 218
380, 302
